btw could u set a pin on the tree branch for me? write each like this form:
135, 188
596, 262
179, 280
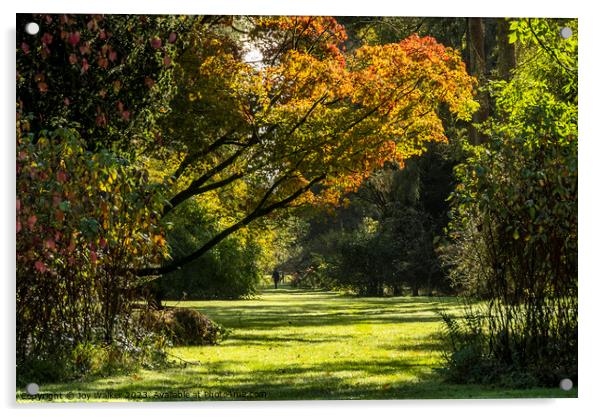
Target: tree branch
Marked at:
195, 185
256, 213
190, 192
223, 140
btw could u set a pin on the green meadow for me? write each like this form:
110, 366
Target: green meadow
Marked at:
291, 344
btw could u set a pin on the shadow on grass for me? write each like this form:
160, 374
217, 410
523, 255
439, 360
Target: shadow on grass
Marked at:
272, 334
300, 308
327, 381
273, 340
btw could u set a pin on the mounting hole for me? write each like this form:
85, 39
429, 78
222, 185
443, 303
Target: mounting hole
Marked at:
566, 32
566, 384
32, 28
32, 388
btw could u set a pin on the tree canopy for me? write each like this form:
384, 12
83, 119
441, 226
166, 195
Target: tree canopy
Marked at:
307, 121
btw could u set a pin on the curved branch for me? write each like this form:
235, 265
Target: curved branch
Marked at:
258, 212
190, 192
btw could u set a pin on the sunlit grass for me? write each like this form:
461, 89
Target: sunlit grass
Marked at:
297, 344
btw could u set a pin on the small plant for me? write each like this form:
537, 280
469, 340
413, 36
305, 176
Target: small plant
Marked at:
489, 344
466, 360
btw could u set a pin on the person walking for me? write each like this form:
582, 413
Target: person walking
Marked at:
276, 278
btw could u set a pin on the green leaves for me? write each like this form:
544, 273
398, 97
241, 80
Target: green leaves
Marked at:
63, 197
512, 36
552, 59
89, 228
516, 197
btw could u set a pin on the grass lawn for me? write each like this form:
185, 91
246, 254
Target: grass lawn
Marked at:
296, 344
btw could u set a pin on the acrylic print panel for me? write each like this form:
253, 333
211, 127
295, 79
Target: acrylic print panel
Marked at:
295, 208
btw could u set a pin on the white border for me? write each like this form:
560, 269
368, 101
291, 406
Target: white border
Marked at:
589, 207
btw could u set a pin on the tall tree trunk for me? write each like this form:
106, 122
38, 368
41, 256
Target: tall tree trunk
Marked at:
507, 51
415, 289
477, 66
380, 289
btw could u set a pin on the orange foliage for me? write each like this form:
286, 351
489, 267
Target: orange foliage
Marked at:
322, 111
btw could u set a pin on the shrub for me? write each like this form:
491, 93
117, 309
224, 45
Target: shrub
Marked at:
85, 221
515, 230
514, 225
480, 351
183, 326
123, 355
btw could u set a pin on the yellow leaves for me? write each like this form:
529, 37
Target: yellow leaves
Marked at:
112, 177
104, 208
159, 240
103, 186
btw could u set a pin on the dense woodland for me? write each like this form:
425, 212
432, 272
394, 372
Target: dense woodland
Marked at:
187, 157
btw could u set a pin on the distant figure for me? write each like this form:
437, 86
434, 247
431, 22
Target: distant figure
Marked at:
276, 278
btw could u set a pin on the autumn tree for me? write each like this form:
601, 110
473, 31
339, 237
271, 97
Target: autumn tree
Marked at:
304, 122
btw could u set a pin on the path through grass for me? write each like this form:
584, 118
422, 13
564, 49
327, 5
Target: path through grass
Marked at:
299, 344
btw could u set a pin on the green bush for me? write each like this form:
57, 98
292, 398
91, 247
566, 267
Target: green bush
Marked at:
514, 231
85, 221
40, 370
143, 349
230, 270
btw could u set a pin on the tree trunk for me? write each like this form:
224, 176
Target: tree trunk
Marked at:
415, 291
507, 51
477, 66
